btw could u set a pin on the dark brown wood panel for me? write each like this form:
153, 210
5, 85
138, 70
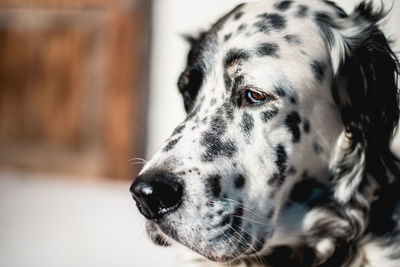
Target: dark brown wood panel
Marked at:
73, 80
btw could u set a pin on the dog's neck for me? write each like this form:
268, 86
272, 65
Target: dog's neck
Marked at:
344, 213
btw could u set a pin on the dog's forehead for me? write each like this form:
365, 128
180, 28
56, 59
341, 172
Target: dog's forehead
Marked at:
268, 43
288, 23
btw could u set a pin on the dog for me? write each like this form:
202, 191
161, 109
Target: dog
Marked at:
284, 158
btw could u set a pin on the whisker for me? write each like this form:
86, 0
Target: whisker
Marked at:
244, 207
248, 219
239, 240
226, 243
252, 236
138, 160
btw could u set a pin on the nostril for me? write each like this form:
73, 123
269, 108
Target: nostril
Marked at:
156, 195
169, 193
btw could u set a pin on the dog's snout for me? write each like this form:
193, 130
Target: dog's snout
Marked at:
156, 195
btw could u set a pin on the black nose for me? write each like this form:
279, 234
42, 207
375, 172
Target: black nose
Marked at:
156, 195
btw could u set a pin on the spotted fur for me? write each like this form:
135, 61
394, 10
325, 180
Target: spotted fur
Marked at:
284, 158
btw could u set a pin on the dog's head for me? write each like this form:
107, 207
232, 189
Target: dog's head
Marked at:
269, 89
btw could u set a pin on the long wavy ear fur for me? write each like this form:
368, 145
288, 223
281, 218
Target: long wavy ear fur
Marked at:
364, 173
369, 75
366, 91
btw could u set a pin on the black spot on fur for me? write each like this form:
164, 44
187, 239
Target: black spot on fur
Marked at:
228, 111
179, 129
284, 5
318, 69
235, 56
293, 100
225, 220
241, 28
277, 21
238, 15
302, 11
227, 37
317, 148
240, 181
303, 189
237, 83
267, 49
218, 124
272, 181
247, 123
270, 213
192, 113
292, 39
227, 81
270, 22
278, 177
236, 97
306, 126
216, 147
171, 144
325, 22
237, 218
280, 91
292, 171
281, 159
213, 185
292, 123
269, 114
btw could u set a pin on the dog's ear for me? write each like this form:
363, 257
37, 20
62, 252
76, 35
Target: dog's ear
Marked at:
191, 78
366, 80
365, 89
201, 47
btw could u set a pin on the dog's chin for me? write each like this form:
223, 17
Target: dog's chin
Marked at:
156, 235
225, 258
159, 238
222, 259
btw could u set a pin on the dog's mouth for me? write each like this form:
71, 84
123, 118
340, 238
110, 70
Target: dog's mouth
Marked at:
160, 238
222, 242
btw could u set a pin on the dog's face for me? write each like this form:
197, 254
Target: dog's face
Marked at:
261, 116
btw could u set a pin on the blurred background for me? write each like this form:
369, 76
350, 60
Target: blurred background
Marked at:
88, 90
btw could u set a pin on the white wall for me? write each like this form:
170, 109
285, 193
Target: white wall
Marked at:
171, 19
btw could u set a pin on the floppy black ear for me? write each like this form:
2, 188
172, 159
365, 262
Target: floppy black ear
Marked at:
191, 78
365, 89
201, 47
367, 78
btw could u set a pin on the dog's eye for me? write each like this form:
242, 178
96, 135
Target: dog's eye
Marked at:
256, 97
